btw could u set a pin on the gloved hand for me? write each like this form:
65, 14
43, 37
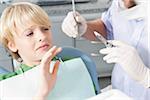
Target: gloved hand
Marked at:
140, 1
74, 25
130, 61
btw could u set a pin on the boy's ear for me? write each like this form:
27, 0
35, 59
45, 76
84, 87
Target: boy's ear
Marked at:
11, 45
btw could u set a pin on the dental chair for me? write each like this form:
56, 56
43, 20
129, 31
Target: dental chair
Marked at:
70, 53
3, 71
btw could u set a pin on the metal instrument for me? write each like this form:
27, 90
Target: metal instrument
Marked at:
102, 39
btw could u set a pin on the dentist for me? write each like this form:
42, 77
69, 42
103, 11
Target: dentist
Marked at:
125, 25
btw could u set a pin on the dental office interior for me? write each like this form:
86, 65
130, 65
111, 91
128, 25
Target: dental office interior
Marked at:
98, 70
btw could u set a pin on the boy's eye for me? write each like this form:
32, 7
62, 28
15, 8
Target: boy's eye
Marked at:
45, 28
29, 34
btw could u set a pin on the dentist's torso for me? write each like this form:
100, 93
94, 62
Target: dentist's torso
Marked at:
135, 33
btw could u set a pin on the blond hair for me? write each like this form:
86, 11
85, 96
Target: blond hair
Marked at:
18, 15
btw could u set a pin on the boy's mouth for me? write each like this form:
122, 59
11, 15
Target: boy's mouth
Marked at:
43, 47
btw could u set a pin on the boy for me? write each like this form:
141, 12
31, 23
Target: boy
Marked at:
25, 31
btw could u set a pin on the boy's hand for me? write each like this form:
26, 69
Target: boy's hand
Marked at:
47, 79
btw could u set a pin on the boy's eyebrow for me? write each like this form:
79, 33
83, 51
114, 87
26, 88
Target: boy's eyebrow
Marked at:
29, 28
32, 27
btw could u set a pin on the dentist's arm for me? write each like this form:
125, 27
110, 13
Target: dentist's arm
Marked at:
95, 25
85, 29
130, 61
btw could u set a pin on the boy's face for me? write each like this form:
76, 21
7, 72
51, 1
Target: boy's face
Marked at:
32, 43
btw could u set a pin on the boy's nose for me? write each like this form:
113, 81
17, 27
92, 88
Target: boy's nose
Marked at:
40, 40
40, 36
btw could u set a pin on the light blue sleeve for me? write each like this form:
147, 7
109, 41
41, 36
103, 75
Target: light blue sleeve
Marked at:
107, 20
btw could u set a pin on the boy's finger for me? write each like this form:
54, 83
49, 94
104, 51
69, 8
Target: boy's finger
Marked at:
56, 66
50, 51
56, 52
50, 54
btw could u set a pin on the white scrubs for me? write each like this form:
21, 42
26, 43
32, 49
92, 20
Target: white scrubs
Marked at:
135, 33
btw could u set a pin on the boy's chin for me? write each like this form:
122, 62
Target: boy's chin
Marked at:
40, 56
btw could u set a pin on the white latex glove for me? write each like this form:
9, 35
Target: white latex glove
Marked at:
74, 25
140, 1
130, 61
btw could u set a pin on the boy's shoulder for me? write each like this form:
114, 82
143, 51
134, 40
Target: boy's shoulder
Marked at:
23, 68
7, 75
